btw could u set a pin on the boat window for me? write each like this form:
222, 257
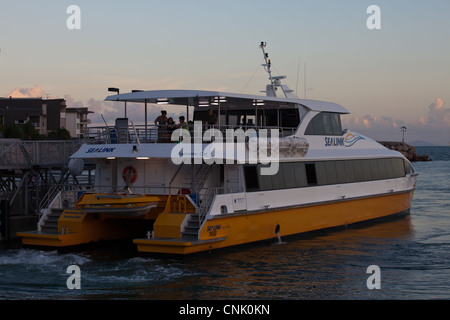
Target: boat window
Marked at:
289, 118
271, 117
330, 167
408, 167
341, 172
201, 116
233, 119
301, 179
315, 126
398, 167
373, 163
336, 123
367, 173
359, 172
382, 169
325, 123
311, 176
278, 178
301, 174
321, 173
265, 181
251, 178
388, 167
289, 174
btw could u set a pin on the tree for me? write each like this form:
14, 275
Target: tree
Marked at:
59, 134
13, 131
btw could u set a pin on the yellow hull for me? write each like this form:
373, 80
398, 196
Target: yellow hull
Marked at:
79, 227
236, 229
84, 225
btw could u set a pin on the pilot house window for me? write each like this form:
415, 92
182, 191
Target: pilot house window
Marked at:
325, 124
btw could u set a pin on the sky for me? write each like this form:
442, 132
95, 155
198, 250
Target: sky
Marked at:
398, 75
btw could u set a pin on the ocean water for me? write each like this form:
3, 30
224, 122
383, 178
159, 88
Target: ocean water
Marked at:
412, 253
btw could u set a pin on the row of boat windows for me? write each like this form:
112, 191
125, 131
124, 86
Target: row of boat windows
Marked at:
304, 174
284, 117
324, 123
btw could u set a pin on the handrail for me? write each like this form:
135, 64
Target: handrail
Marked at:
47, 198
160, 134
18, 188
206, 201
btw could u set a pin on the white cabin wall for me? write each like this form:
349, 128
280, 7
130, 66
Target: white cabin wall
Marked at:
103, 176
234, 178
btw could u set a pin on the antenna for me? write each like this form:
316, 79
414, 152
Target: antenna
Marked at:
267, 60
304, 75
274, 81
298, 68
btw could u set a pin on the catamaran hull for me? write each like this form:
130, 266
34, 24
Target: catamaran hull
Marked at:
237, 229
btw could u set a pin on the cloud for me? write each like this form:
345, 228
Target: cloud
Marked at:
372, 122
437, 105
437, 115
71, 103
432, 126
35, 92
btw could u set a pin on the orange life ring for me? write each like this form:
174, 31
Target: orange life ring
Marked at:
129, 174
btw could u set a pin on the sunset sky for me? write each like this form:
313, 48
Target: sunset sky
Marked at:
398, 75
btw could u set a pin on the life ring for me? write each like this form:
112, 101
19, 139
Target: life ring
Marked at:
129, 174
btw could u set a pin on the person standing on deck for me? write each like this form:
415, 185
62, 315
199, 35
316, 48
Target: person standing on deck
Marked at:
161, 122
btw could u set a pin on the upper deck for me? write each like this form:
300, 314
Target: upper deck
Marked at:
317, 122
233, 111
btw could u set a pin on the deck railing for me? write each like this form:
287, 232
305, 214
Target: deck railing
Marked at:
162, 133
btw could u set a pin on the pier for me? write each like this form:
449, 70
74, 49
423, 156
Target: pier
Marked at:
28, 171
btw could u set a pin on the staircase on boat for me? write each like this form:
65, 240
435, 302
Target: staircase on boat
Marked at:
53, 205
50, 226
191, 230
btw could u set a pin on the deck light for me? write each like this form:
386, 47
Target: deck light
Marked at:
114, 90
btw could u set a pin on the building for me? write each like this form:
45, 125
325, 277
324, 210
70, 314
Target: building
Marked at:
45, 114
77, 121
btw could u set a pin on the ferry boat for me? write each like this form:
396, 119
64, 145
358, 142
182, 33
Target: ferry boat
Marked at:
245, 168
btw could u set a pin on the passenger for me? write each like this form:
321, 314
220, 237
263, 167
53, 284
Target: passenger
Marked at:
182, 124
212, 118
171, 126
161, 122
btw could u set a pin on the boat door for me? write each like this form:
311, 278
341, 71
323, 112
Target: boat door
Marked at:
155, 176
105, 176
234, 184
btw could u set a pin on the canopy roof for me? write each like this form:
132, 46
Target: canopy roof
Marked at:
200, 98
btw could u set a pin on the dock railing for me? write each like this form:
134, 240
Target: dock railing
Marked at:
18, 154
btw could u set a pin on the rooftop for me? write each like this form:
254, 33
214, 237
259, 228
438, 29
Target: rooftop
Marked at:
201, 98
